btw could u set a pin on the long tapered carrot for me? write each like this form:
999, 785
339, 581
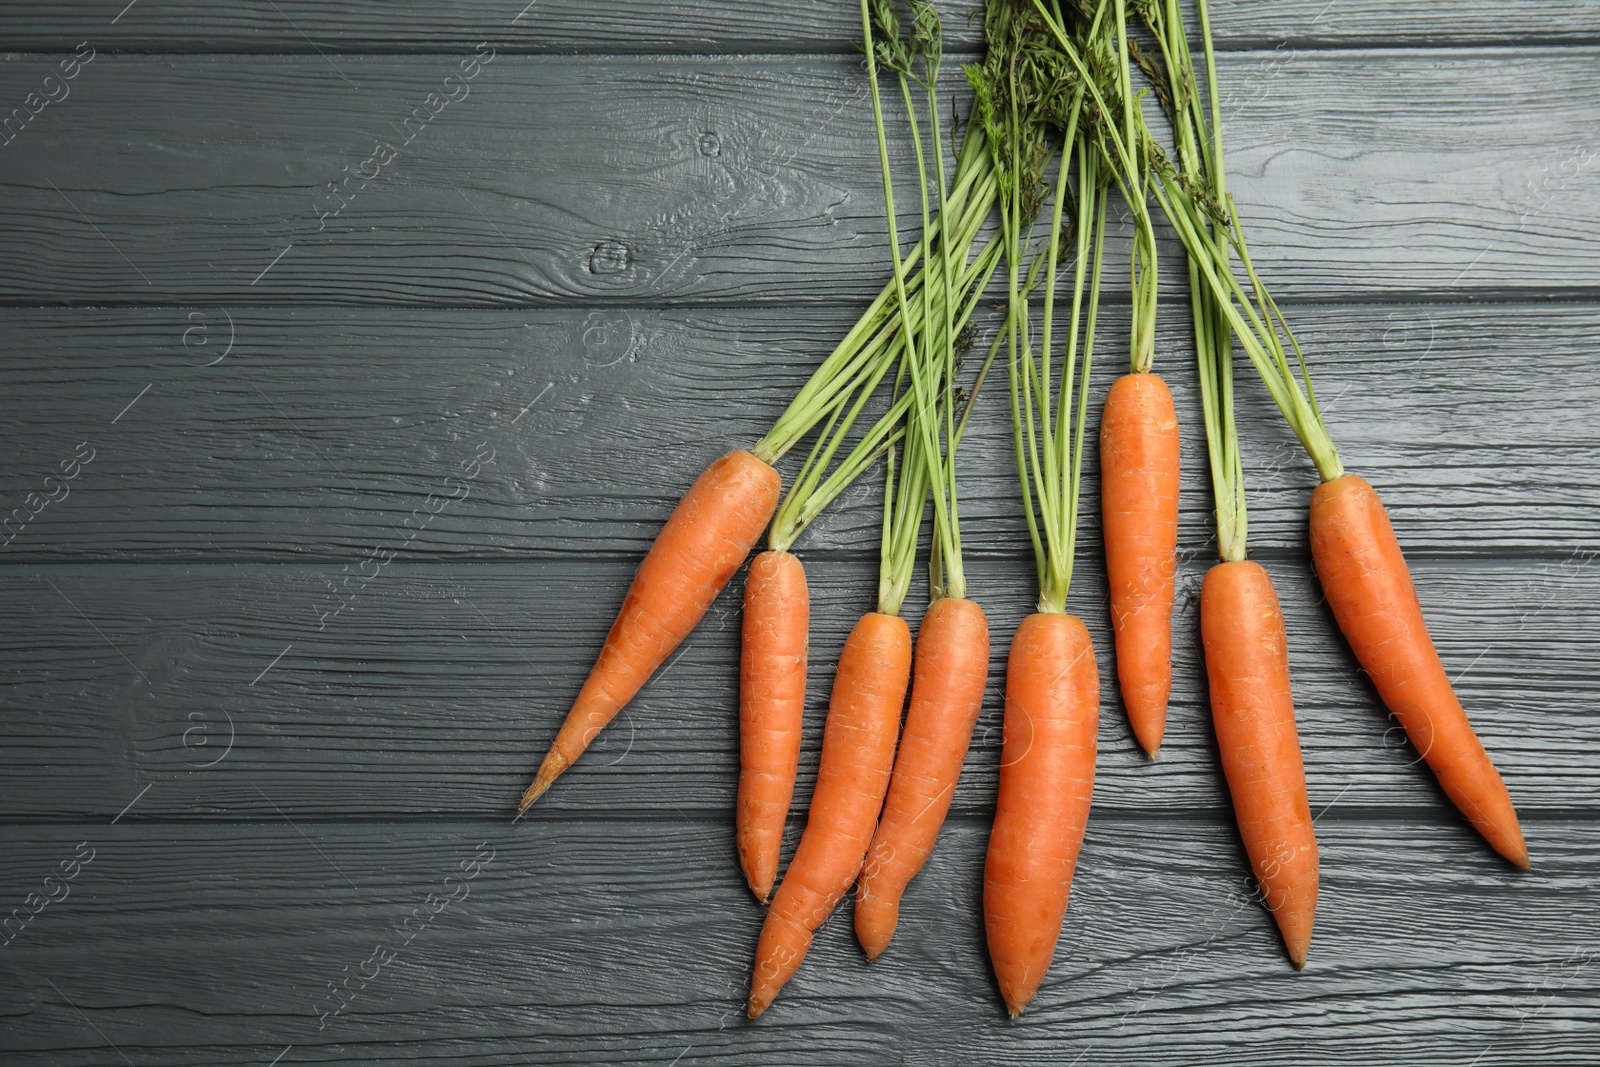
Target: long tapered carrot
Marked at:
704, 542
1369, 589
857, 756
772, 699
1247, 666
951, 671
1046, 779
1139, 512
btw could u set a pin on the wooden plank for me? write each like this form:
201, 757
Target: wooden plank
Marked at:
316, 436
593, 942
629, 181
436, 688
563, 26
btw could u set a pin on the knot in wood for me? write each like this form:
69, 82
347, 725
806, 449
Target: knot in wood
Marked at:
610, 257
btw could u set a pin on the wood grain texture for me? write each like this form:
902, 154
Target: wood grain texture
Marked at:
439, 687
556, 26
593, 942
731, 180
612, 260
317, 436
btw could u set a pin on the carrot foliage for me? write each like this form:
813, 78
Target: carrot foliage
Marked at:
919, 323
1032, 109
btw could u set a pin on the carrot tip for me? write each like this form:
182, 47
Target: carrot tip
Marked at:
549, 771
533, 793
1014, 1010
754, 1009
1149, 736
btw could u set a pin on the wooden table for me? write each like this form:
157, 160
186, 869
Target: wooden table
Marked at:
273, 684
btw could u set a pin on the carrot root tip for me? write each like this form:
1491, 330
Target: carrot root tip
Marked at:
549, 771
535, 791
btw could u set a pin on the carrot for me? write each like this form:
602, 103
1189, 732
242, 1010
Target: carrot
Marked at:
705, 541
951, 671
1052, 681
772, 698
1139, 511
1247, 666
857, 756
1369, 589
1046, 778
952, 653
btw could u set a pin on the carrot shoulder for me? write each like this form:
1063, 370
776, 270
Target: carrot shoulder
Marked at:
1139, 511
772, 698
704, 542
857, 757
951, 671
1369, 589
1046, 780
1252, 707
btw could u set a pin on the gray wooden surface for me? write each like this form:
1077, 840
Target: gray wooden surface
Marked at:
610, 261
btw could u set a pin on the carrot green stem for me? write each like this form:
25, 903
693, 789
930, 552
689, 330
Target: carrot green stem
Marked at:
1033, 115
1197, 202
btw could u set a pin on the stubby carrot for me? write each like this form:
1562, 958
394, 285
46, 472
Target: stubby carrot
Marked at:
705, 541
857, 756
772, 698
1046, 780
1247, 667
1139, 512
1369, 588
952, 667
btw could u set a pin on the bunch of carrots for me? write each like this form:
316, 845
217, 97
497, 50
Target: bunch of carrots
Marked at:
1057, 129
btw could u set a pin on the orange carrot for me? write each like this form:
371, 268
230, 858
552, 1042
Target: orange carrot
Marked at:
1046, 778
1247, 665
1369, 589
1139, 510
857, 757
952, 669
704, 542
772, 699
